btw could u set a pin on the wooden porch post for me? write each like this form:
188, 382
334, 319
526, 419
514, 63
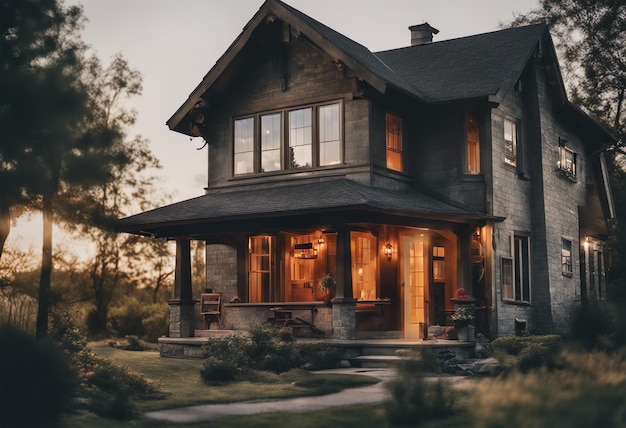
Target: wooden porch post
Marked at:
182, 320
344, 315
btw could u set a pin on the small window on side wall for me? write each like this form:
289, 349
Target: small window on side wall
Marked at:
566, 165
394, 142
566, 257
510, 142
473, 145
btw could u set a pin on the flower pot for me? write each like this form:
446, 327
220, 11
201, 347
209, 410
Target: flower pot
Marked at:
465, 332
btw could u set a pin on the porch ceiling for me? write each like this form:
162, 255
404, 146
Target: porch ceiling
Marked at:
337, 200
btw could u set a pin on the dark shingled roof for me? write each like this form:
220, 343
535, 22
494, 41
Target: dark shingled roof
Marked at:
468, 67
293, 199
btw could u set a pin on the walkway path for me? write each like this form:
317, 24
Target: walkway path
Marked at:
207, 412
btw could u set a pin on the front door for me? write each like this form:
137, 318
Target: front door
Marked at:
415, 280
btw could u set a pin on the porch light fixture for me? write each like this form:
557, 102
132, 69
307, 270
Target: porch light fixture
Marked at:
304, 251
388, 251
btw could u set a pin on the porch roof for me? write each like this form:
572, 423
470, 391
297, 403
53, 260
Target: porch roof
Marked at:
328, 199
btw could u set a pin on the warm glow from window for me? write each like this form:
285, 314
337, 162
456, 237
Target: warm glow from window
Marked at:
261, 286
473, 146
394, 142
363, 247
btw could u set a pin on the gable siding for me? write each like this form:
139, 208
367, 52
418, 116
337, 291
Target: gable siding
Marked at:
312, 77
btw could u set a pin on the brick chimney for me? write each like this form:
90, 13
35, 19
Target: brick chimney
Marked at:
422, 34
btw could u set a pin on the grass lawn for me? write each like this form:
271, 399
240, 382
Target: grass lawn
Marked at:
180, 382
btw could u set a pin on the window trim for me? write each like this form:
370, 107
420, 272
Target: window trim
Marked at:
474, 117
284, 112
563, 170
567, 269
393, 150
511, 160
522, 289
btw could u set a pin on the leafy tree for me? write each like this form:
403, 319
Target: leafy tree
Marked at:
38, 50
591, 37
90, 210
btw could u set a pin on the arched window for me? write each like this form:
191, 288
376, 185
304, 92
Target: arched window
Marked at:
473, 146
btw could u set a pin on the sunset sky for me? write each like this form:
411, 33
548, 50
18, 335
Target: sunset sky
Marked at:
174, 43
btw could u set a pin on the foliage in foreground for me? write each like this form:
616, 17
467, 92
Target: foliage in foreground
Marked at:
590, 391
106, 388
36, 381
416, 399
234, 357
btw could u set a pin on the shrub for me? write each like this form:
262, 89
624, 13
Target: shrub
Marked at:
528, 352
262, 350
36, 381
108, 388
416, 399
318, 356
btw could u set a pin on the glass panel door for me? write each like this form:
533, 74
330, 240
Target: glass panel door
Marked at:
415, 280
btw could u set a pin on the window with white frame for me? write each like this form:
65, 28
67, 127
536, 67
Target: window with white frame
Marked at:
510, 142
516, 271
566, 257
303, 137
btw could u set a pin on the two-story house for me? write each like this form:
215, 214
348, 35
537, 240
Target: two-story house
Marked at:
406, 175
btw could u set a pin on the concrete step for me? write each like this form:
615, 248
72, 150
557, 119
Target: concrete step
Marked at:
374, 361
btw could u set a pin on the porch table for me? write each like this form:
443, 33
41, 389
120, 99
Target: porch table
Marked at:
283, 314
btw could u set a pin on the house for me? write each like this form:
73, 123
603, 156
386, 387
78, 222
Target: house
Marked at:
406, 175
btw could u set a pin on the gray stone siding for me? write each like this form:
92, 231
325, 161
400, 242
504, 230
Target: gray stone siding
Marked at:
536, 199
221, 270
242, 317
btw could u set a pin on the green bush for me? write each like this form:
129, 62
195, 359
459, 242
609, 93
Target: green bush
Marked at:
262, 350
528, 352
107, 388
133, 317
318, 356
416, 399
36, 382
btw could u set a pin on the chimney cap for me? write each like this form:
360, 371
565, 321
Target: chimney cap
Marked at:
424, 27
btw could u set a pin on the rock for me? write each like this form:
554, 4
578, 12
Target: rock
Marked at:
345, 364
487, 367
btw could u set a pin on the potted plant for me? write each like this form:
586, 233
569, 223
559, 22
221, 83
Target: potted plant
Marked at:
463, 318
327, 285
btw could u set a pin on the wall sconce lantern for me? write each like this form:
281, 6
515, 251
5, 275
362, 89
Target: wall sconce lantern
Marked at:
304, 251
388, 251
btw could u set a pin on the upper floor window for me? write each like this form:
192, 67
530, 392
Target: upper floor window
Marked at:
394, 142
473, 146
567, 161
288, 139
510, 142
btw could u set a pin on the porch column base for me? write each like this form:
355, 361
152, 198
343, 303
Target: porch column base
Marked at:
182, 319
344, 318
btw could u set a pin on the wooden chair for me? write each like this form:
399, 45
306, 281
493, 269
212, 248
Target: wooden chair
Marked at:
210, 305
